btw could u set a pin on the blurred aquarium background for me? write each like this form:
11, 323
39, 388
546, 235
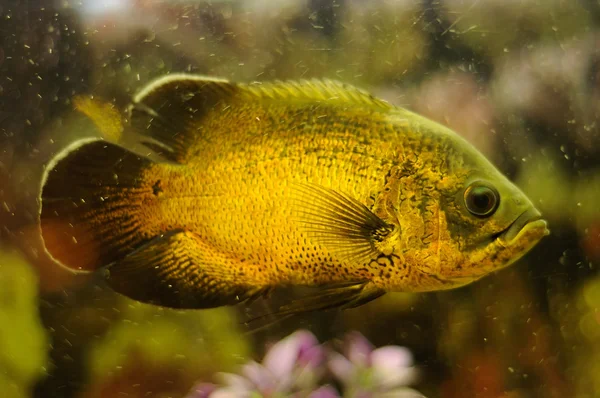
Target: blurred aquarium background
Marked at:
518, 78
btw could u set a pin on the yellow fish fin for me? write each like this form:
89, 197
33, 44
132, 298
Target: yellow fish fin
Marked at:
339, 222
92, 201
315, 90
168, 112
325, 297
178, 270
104, 115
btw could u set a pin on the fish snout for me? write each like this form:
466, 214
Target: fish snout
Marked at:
529, 220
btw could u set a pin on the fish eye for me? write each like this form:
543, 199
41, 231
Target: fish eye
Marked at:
481, 200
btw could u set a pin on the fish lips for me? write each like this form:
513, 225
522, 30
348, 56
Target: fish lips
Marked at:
529, 221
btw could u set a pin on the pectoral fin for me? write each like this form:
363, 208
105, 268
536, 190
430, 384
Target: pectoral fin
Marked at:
178, 270
339, 222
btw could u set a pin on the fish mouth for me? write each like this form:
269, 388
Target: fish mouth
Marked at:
529, 220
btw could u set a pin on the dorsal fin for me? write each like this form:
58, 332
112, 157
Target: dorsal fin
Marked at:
169, 110
316, 90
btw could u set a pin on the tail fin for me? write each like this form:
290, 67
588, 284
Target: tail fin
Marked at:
92, 199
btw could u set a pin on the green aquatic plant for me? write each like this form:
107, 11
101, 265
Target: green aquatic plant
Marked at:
148, 343
23, 341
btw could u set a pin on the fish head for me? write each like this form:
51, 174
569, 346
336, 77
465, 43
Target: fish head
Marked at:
489, 223
459, 217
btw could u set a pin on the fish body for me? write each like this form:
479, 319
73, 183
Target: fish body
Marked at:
312, 183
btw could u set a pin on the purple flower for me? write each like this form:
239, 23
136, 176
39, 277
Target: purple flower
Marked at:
366, 370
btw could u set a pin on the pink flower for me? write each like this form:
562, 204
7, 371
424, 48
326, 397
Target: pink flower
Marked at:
324, 392
293, 364
366, 370
295, 367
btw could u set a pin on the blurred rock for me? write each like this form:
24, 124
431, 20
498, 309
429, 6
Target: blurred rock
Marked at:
380, 41
494, 27
44, 61
550, 84
456, 100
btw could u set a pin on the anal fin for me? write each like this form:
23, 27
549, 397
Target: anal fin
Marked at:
336, 296
177, 270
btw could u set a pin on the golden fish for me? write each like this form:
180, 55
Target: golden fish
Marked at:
312, 183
